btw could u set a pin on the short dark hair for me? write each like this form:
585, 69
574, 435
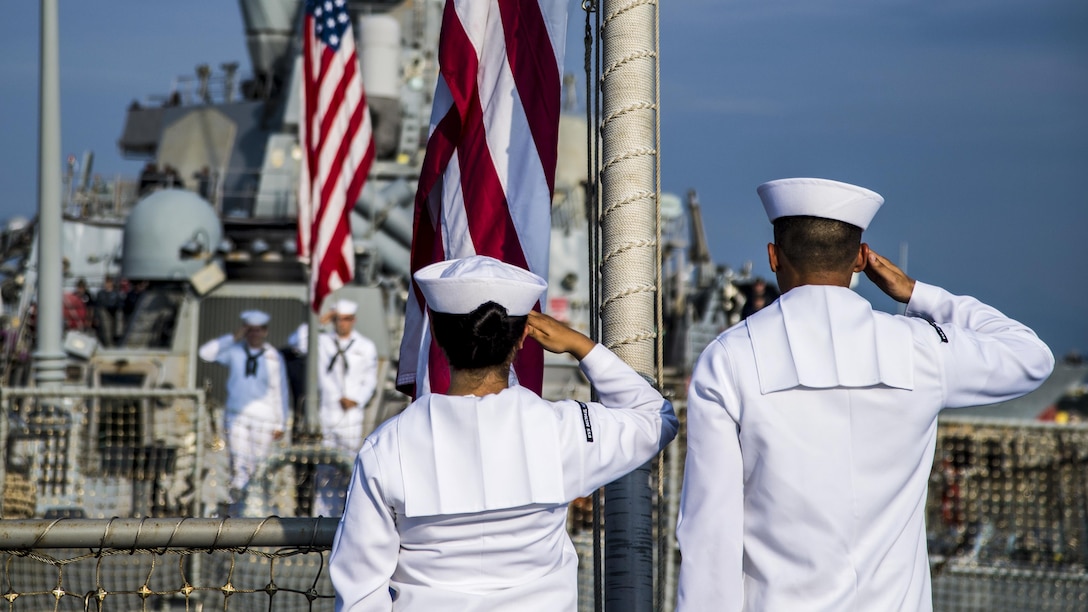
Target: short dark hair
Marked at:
483, 338
815, 244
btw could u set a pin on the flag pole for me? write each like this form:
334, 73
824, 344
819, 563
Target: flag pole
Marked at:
310, 416
629, 273
49, 357
324, 218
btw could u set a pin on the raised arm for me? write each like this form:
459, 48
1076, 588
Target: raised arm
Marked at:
300, 338
632, 420
627, 427
215, 350
986, 356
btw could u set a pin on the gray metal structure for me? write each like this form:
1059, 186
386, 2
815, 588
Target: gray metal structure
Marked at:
169, 236
49, 358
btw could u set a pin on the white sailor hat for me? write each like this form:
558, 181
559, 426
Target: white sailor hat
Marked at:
459, 286
345, 307
813, 197
255, 318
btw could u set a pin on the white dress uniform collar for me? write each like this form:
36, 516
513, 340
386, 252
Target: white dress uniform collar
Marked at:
469, 454
834, 339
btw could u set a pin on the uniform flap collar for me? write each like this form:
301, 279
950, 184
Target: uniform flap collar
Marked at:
822, 336
468, 454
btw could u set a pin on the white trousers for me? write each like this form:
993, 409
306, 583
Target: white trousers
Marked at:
249, 439
342, 429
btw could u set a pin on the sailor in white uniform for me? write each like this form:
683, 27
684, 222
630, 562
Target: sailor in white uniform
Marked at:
347, 370
812, 424
257, 405
460, 502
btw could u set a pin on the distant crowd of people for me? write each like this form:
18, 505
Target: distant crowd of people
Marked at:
153, 176
105, 313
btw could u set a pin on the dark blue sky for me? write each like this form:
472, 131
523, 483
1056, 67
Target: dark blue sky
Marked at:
969, 116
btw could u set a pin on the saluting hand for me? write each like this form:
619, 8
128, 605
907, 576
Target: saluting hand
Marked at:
889, 278
557, 337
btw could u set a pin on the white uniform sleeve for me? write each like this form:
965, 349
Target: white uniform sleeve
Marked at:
710, 530
300, 339
215, 350
362, 379
630, 424
987, 357
366, 546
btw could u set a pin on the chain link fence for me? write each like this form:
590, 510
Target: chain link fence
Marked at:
167, 564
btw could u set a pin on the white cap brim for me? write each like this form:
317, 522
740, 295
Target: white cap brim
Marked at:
255, 318
459, 286
814, 197
345, 307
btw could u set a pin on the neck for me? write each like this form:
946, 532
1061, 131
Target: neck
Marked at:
790, 276
484, 381
787, 280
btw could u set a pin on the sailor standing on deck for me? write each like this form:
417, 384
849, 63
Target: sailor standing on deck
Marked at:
257, 405
347, 370
812, 424
460, 502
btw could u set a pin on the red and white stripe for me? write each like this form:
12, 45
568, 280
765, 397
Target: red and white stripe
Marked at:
487, 179
337, 142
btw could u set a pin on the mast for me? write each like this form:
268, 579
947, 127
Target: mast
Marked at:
49, 356
629, 269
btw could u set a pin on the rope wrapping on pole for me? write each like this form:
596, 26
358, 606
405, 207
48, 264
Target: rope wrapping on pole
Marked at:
628, 174
629, 270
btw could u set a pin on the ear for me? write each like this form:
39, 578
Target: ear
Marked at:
862, 258
772, 256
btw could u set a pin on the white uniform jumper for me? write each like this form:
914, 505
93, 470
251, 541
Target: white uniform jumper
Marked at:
346, 368
257, 403
811, 432
460, 503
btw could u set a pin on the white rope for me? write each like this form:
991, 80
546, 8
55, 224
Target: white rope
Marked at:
632, 197
629, 186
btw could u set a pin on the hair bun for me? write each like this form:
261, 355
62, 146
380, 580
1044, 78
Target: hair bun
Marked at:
493, 323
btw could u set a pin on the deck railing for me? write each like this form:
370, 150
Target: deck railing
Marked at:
1007, 517
167, 564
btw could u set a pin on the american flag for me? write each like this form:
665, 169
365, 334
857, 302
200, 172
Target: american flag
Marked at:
337, 144
489, 171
